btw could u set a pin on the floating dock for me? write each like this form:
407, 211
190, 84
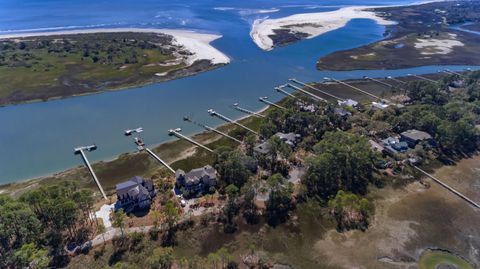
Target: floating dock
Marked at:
176, 132
214, 113
212, 129
315, 89
79, 150
265, 100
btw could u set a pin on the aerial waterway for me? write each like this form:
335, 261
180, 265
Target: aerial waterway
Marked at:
38, 139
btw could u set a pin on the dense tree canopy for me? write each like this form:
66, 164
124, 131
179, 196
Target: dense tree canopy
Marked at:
343, 161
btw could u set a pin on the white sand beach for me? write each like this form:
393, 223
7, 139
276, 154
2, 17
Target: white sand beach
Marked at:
197, 43
312, 24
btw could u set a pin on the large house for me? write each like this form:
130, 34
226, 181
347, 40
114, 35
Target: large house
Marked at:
136, 193
199, 179
413, 137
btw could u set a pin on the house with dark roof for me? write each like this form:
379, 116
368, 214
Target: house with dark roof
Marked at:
413, 137
197, 180
289, 138
136, 193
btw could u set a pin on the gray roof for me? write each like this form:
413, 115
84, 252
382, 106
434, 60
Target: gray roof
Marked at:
262, 148
133, 187
196, 174
416, 135
130, 183
287, 137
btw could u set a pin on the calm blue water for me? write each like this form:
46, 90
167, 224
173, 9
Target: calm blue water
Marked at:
37, 139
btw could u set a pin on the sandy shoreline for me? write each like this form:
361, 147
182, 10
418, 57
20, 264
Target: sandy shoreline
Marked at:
312, 24
197, 43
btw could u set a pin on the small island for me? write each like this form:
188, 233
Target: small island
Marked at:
43, 66
425, 34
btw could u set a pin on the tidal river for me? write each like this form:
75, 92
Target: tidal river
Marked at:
38, 139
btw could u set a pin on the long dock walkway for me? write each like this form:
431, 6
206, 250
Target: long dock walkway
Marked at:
264, 100
355, 88
468, 200
225, 118
281, 90
244, 110
307, 93
159, 160
208, 128
315, 89
179, 135
90, 169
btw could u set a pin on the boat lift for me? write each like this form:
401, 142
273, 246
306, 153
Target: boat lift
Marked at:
141, 146
315, 89
80, 150
423, 78
318, 98
211, 129
214, 113
244, 110
355, 88
265, 100
176, 132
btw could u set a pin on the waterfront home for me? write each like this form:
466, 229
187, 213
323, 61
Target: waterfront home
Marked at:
413, 137
197, 180
348, 103
136, 193
262, 148
290, 139
341, 112
379, 105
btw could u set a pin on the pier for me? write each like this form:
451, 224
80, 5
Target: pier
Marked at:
214, 113
265, 101
448, 71
244, 110
206, 127
281, 90
318, 98
423, 78
141, 146
315, 89
355, 88
158, 159
380, 82
79, 150
396, 80
176, 132
468, 200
